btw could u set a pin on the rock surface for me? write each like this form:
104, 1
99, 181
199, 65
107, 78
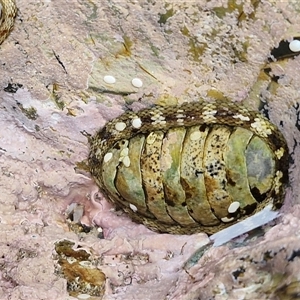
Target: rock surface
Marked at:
52, 89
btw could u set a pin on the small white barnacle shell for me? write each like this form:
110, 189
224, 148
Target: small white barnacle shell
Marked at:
133, 207
294, 46
126, 161
227, 220
124, 158
107, 157
120, 126
137, 82
136, 122
233, 207
109, 79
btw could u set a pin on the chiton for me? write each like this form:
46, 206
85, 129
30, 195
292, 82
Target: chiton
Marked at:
195, 167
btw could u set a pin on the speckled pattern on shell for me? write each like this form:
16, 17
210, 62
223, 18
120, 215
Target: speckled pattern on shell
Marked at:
195, 167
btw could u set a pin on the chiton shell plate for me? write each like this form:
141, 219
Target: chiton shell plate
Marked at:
195, 167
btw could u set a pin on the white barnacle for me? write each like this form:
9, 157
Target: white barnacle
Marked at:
133, 207
136, 123
294, 46
109, 79
137, 82
107, 157
241, 117
227, 220
124, 158
120, 126
233, 207
279, 152
126, 161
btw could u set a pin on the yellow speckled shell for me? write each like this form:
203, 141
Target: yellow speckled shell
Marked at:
197, 167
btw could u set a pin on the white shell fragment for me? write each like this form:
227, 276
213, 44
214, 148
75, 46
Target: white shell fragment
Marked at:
294, 45
109, 79
107, 157
133, 207
126, 161
136, 82
233, 207
136, 123
120, 126
227, 220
